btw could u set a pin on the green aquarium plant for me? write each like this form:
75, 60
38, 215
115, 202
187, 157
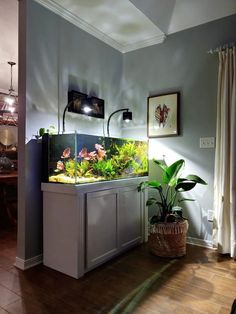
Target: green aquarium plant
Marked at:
169, 191
96, 163
130, 158
51, 130
104, 168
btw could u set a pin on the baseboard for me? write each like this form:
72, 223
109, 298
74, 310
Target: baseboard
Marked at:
28, 263
200, 242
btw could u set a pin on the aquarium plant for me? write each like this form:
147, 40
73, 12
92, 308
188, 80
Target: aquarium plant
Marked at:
121, 158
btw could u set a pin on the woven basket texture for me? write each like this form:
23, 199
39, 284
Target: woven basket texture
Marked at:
168, 239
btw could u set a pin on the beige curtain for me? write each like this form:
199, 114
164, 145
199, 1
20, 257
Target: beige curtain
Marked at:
224, 227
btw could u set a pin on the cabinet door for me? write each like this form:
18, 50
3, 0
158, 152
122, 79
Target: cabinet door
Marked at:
130, 216
101, 227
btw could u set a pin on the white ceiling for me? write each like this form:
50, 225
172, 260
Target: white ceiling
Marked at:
132, 24
123, 24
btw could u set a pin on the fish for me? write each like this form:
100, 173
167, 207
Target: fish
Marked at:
66, 153
98, 146
101, 153
86, 155
60, 165
83, 153
91, 156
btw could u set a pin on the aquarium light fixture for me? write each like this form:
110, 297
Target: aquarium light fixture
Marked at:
87, 109
82, 104
127, 116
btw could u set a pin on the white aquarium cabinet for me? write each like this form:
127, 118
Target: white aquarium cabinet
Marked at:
86, 225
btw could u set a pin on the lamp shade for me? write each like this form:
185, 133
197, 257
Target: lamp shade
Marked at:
127, 115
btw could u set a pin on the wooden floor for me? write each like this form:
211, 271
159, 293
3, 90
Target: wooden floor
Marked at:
137, 282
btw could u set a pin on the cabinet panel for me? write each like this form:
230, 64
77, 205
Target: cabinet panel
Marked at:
101, 227
130, 224
60, 227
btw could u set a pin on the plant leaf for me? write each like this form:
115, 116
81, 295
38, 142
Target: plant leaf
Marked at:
142, 186
186, 199
151, 184
185, 186
170, 176
160, 164
154, 184
151, 201
196, 179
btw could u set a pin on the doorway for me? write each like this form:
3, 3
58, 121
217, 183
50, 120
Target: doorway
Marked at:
8, 122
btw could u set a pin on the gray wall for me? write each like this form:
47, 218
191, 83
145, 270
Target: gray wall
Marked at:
56, 56
62, 57
182, 64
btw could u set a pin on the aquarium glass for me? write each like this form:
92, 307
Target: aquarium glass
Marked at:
80, 158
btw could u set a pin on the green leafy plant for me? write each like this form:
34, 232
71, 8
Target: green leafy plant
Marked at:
70, 168
127, 150
118, 161
130, 158
104, 168
84, 169
169, 190
50, 130
140, 164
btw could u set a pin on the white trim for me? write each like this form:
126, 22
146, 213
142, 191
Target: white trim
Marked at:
77, 21
200, 242
4, 91
158, 39
28, 263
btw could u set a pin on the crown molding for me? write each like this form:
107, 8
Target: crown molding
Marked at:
144, 43
72, 18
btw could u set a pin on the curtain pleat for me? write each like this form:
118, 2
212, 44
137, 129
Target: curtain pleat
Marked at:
224, 230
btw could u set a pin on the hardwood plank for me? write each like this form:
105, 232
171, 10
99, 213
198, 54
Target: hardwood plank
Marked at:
136, 282
6, 296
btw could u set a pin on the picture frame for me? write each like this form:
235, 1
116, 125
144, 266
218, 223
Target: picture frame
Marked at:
163, 115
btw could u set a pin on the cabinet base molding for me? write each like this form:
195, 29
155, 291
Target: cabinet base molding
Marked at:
24, 264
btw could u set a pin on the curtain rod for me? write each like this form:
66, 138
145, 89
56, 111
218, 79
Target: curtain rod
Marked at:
220, 48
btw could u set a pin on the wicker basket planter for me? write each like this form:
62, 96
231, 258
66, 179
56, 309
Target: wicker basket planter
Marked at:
168, 239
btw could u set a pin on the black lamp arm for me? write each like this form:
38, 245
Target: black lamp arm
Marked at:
108, 121
63, 117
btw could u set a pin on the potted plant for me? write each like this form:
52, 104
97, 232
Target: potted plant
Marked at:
168, 228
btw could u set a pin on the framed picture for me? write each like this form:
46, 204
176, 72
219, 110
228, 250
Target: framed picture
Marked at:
163, 115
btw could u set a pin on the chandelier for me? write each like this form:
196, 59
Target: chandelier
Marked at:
10, 99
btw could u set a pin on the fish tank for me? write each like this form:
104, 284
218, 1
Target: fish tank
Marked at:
81, 158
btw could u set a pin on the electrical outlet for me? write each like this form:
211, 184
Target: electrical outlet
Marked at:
210, 215
207, 142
